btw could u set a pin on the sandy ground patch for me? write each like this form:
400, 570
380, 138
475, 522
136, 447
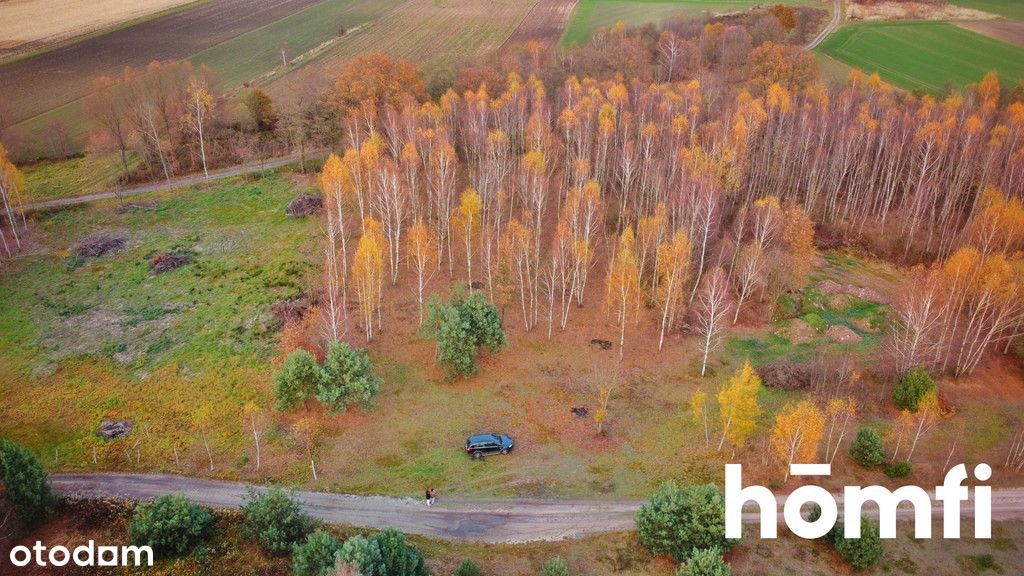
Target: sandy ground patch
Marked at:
1005, 30
29, 24
914, 11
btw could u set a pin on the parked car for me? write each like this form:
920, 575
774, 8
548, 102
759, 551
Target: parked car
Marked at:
480, 445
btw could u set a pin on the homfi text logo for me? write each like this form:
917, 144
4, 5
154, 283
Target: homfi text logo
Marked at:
950, 494
87, 555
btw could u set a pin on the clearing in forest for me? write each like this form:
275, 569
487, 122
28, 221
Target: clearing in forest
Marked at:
925, 55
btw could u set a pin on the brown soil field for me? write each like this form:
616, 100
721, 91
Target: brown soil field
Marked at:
32, 24
1005, 30
545, 22
46, 81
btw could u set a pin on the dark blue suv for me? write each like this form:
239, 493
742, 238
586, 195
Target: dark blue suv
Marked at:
479, 445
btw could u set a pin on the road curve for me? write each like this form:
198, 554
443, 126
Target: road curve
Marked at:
164, 184
837, 14
485, 520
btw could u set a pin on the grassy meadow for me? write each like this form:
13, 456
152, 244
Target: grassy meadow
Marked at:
182, 354
257, 52
82, 340
49, 179
925, 55
1011, 9
590, 15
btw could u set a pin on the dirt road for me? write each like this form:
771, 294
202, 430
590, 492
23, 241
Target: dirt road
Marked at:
495, 521
163, 184
837, 15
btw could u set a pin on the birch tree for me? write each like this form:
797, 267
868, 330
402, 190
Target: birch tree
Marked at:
710, 313
739, 407
622, 295
673, 268
466, 222
421, 254
796, 435
368, 274
200, 105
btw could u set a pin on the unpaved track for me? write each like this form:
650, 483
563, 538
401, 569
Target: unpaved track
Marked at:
164, 184
486, 520
837, 15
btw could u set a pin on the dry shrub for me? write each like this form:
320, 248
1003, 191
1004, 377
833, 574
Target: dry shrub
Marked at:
305, 205
100, 244
167, 261
300, 332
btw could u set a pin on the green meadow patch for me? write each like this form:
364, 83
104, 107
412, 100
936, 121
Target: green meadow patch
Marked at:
926, 55
245, 57
1012, 9
589, 15
85, 339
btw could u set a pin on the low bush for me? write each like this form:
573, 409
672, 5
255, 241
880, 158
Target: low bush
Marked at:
860, 553
705, 562
275, 520
899, 470
867, 448
678, 520
467, 568
912, 387
555, 567
171, 525
315, 556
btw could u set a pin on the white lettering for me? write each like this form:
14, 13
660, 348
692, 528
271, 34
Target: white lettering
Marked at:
84, 556
26, 556
59, 550
736, 496
951, 493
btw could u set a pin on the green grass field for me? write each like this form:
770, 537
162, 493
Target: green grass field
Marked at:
1012, 9
924, 55
88, 339
590, 15
256, 52
48, 180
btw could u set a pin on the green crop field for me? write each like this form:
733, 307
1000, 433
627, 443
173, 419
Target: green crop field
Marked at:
590, 15
50, 179
244, 57
924, 54
1012, 9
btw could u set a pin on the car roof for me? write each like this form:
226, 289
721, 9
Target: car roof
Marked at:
483, 438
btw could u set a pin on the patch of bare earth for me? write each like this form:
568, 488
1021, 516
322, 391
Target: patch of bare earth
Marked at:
38, 83
1005, 30
914, 11
545, 22
32, 24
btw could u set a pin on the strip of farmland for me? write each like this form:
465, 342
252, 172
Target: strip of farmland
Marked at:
52, 79
436, 35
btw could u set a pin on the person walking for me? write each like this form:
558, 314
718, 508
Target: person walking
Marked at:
431, 496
